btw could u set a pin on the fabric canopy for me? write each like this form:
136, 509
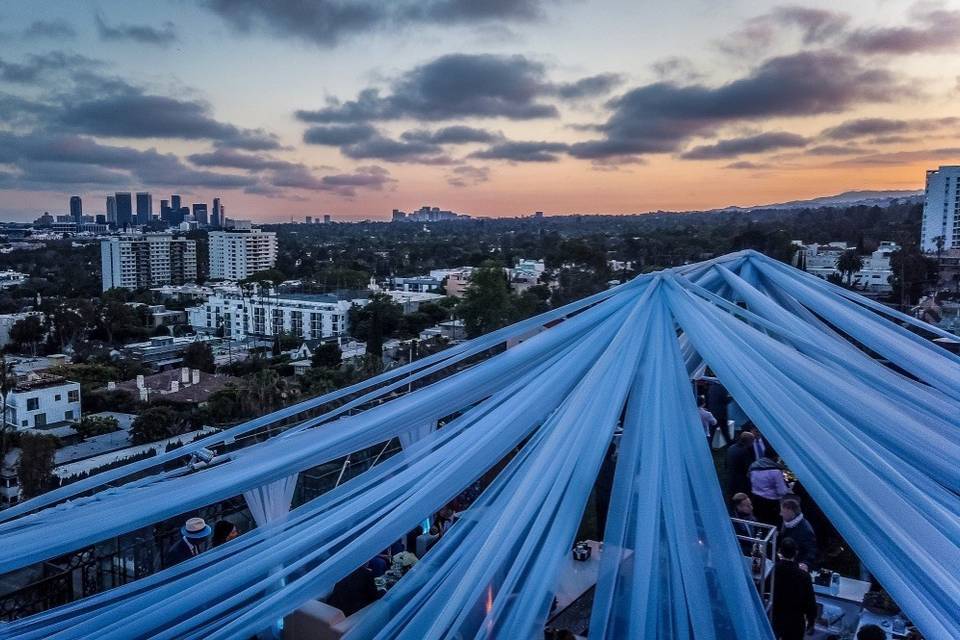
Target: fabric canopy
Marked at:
860, 403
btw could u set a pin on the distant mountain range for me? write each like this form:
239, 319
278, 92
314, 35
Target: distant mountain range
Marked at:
845, 199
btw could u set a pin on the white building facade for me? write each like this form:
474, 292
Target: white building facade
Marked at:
821, 261
42, 400
148, 260
239, 253
237, 315
941, 210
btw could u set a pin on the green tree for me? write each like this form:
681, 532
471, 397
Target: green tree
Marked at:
157, 423
96, 425
378, 320
199, 355
487, 303
28, 332
36, 463
849, 263
326, 356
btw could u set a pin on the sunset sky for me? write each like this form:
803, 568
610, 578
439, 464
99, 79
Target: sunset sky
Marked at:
353, 108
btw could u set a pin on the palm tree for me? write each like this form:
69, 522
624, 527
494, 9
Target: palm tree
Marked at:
850, 262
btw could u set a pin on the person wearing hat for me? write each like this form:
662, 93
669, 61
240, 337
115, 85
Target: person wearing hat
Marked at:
193, 536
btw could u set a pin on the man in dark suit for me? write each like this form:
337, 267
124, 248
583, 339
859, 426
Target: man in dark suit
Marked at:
794, 601
739, 459
717, 402
795, 527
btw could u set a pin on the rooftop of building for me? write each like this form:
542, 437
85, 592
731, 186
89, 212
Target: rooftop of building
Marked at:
162, 385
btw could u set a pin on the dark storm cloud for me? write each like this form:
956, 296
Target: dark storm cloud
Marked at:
40, 155
344, 184
237, 160
934, 30
449, 87
834, 150
34, 69
468, 176
523, 151
53, 173
660, 117
746, 164
337, 135
328, 22
589, 87
139, 33
456, 134
864, 127
733, 147
58, 28
131, 113
389, 150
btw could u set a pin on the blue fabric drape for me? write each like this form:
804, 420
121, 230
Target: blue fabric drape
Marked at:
877, 447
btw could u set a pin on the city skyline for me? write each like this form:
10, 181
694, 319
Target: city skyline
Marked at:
356, 109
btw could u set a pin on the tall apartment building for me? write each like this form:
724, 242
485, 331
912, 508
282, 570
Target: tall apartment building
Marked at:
111, 210
941, 209
76, 209
240, 253
264, 314
149, 260
216, 220
144, 207
124, 202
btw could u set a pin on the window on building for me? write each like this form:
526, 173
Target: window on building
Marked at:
73, 396
277, 321
33, 404
296, 323
58, 397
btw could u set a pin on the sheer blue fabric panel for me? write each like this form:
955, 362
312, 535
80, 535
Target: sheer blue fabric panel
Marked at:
667, 522
866, 491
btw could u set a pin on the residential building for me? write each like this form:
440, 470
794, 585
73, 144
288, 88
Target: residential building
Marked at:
233, 313
148, 260
216, 219
420, 284
326, 218
821, 261
410, 301
457, 281
163, 352
144, 207
76, 209
181, 384
41, 400
941, 210
200, 213
124, 202
239, 253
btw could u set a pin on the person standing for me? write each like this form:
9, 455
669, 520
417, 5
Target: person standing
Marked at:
707, 419
795, 527
718, 401
743, 510
794, 601
767, 487
193, 537
739, 459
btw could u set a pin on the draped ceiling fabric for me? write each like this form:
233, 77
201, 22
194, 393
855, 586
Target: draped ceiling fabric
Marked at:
855, 397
